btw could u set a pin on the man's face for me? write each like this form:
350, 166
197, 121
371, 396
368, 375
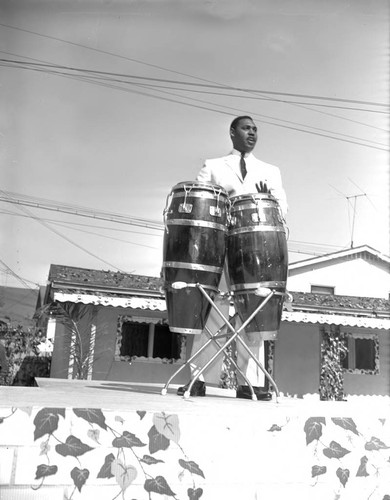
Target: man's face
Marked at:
244, 136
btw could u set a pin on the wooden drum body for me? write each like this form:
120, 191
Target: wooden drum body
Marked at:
257, 259
193, 252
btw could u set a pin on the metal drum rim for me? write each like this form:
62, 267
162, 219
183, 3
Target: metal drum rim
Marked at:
258, 228
197, 223
248, 287
202, 185
250, 196
171, 264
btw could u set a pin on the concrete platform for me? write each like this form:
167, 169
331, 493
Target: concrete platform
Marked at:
106, 440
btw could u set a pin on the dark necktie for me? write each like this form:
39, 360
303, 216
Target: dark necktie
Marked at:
243, 165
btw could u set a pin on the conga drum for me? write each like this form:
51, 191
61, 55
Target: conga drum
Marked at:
257, 259
194, 251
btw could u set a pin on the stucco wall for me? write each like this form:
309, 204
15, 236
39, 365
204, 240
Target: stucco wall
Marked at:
297, 359
357, 277
105, 366
378, 384
60, 356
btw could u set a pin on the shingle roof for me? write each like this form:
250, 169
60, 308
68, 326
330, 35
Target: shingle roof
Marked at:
78, 277
344, 302
75, 278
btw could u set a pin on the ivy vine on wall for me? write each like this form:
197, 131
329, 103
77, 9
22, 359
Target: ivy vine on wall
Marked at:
331, 376
124, 465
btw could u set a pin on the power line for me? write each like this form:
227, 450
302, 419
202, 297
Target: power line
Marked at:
201, 79
192, 84
235, 109
73, 223
47, 226
32, 202
94, 76
12, 273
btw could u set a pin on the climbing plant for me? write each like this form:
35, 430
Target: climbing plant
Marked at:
333, 348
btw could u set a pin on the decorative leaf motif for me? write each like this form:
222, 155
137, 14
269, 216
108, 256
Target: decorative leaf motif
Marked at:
313, 428
124, 475
79, 477
347, 424
167, 425
274, 428
147, 459
127, 440
141, 414
45, 448
45, 470
158, 485
194, 494
343, 475
192, 467
335, 450
105, 471
362, 471
72, 447
317, 470
119, 419
26, 409
375, 444
157, 441
92, 415
46, 421
94, 434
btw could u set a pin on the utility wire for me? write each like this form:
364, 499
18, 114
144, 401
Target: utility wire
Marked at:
236, 109
47, 226
73, 223
16, 276
294, 242
93, 75
171, 71
30, 201
180, 82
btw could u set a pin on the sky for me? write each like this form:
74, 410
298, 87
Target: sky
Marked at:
314, 75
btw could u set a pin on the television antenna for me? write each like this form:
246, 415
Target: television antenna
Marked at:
354, 197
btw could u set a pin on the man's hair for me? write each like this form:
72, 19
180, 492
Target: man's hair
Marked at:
236, 121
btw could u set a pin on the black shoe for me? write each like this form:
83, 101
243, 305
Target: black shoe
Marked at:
198, 389
244, 392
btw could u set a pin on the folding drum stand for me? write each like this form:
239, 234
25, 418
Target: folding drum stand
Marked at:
267, 294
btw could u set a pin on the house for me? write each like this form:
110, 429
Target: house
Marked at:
110, 326
345, 294
120, 329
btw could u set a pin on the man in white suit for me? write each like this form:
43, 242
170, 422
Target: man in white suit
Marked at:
238, 173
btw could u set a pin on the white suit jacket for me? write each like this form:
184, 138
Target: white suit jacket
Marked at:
225, 172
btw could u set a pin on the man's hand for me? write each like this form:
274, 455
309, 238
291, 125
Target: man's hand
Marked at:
262, 187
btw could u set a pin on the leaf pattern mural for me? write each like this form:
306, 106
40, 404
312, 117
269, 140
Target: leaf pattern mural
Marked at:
102, 453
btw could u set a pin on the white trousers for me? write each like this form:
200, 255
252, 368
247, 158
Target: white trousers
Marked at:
246, 364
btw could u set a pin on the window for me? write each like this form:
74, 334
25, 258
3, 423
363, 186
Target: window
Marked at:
363, 353
149, 339
325, 290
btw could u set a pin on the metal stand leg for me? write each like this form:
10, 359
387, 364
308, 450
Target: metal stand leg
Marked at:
236, 335
214, 338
